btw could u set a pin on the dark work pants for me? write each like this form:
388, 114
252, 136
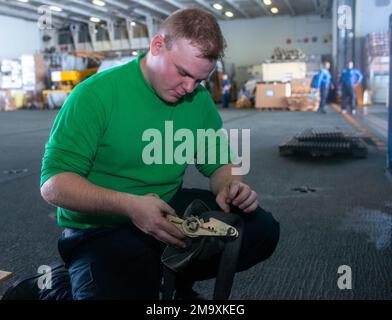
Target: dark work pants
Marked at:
225, 100
324, 91
124, 263
348, 91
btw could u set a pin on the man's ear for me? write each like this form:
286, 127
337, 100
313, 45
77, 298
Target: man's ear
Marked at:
157, 44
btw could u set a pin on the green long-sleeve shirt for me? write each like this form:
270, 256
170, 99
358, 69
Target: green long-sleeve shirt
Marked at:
98, 134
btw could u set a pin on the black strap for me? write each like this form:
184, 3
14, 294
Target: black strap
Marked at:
228, 265
169, 281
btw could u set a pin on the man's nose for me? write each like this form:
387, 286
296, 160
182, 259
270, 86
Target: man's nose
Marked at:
189, 85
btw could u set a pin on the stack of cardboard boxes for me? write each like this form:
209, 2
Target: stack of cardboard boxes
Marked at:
377, 66
302, 98
21, 82
285, 86
275, 88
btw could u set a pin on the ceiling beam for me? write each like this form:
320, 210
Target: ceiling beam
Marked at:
237, 7
145, 14
117, 4
207, 6
90, 6
20, 14
263, 7
128, 17
34, 10
175, 3
73, 9
153, 7
288, 5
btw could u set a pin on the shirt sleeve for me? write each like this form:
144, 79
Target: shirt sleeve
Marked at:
359, 76
320, 79
219, 147
75, 135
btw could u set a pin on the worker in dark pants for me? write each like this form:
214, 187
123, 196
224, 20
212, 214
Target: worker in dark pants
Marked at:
226, 86
349, 80
322, 83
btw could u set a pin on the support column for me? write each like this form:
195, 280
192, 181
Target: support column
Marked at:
344, 43
93, 36
389, 155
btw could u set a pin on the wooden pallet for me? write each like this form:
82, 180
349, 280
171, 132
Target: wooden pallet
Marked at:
303, 108
285, 108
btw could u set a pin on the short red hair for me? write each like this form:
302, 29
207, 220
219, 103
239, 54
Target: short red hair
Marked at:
199, 27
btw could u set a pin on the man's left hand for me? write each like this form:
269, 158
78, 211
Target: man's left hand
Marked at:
238, 194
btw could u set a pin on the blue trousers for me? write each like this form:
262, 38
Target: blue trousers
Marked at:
225, 100
324, 91
124, 262
348, 91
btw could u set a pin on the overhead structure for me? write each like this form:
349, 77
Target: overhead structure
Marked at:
110, 10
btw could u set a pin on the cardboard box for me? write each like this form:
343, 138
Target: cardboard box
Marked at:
300, 86
272, 95
284, 71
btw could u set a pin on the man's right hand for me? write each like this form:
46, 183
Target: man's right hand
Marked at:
147, 213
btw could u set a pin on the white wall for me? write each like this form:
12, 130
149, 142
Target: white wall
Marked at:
17, 37
251, 41
371, 18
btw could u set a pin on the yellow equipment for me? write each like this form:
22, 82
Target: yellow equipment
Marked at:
67, 80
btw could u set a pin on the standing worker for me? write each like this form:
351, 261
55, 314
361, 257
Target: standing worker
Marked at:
226, 86
349, 80
322, 82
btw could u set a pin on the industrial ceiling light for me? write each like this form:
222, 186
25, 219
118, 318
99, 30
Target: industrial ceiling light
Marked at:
267, 2
229, 14
135, 53
94, 19
133, 23
24, 1
99, 3
274, 10
217, 6
54, 8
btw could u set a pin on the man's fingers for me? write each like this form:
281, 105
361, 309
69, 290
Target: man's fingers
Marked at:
252, 207
221, 201
242, 196
248, 201
233, 190
167, 209
171, 229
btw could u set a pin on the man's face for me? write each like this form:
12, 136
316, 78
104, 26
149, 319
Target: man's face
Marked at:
178, 71
350, 65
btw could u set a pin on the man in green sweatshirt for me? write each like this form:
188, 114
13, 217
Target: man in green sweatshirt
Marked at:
110, 201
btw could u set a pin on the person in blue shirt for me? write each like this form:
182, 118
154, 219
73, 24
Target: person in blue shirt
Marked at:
226, 86
322, 82
349, 79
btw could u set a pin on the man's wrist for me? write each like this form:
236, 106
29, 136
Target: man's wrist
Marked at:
123, 203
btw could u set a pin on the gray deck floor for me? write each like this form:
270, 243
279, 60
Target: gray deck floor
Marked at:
347, 221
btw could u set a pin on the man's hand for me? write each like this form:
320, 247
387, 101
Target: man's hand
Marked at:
238, 194
147, 213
